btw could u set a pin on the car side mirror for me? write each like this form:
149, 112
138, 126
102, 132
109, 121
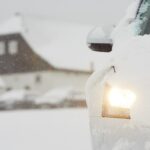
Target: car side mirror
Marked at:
97, 40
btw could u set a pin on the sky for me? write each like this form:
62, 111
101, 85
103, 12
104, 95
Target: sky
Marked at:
95, 12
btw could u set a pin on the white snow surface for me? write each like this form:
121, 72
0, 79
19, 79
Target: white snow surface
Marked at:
45, 130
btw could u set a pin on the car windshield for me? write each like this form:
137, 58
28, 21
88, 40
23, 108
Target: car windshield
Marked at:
143, 18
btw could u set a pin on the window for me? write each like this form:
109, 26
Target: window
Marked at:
143, 18
2, 48
13, 47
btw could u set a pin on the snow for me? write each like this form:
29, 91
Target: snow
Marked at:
13, 95
12, 25
57, 95
132, 9
94, 92
53, 96
147, 145
16, 95
125, 28
123, 144
97, 35
45, 130
130, 56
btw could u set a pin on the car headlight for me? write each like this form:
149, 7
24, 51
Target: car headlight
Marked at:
121, 98
117, 102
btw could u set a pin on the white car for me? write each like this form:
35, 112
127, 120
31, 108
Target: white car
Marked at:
118, 96
58, 95
17, 98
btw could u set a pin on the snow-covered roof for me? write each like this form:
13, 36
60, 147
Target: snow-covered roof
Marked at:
60, 43
12, 25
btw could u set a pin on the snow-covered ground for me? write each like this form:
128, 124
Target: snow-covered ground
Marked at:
64, 129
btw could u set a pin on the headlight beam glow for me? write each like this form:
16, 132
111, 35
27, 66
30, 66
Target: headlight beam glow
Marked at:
121, 98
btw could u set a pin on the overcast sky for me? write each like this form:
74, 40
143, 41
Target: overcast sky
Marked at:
96, 12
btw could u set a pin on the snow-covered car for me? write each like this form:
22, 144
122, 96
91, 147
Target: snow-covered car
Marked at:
61, 97
54, 96
17, 98
118, 96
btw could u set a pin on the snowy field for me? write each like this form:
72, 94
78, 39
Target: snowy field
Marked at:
63, 129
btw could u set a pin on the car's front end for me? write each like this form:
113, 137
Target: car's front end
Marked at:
118, 96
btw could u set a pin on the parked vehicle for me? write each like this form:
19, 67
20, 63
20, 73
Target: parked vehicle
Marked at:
118, 96
61, 98
18, 99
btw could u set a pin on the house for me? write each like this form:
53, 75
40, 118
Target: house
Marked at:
39, 55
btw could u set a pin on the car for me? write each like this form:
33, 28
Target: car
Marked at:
118, 96
17, 99
61, 98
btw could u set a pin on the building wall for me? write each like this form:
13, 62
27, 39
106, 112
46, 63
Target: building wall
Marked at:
45, 80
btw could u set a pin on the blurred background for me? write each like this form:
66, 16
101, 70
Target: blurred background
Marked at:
44, 65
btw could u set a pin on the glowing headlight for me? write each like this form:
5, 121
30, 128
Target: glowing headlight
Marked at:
117, 103
121, 98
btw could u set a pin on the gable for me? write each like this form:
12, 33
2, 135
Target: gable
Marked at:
16, 56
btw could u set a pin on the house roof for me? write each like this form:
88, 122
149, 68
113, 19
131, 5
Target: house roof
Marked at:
62, 44
12, 25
